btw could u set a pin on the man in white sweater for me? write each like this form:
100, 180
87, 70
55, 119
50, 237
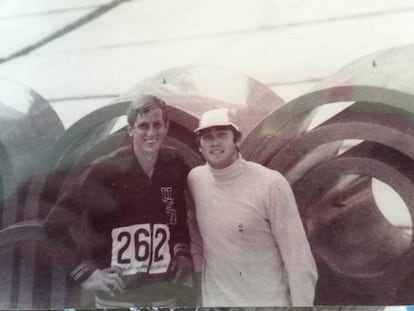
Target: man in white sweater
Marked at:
255, 251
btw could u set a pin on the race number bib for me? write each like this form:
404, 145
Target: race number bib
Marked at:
141, 248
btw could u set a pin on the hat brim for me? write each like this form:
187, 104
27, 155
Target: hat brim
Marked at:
207, 126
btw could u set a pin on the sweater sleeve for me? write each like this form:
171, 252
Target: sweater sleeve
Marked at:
291, 239
64, 219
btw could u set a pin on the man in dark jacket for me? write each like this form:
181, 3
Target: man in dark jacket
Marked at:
133, 202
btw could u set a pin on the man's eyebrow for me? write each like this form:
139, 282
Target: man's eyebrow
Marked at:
142, 123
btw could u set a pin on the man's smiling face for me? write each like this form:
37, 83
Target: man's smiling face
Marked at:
149, 132
218, 146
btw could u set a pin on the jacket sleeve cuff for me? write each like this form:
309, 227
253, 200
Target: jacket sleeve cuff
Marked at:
82, 272
182, 249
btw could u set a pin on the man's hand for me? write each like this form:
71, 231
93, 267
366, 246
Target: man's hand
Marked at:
182, 267
107, 280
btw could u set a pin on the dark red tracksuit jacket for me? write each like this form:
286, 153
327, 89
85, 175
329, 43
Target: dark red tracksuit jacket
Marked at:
128, 220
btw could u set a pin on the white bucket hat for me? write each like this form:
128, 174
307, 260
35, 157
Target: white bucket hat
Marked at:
216, 117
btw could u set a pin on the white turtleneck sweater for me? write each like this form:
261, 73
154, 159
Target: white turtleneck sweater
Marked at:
255, 250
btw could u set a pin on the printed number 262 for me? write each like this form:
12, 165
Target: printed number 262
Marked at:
134, 246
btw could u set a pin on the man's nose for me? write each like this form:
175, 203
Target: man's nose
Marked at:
215, 140
151, 130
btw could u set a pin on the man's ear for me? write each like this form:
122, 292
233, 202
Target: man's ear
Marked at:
130, 130
238, 142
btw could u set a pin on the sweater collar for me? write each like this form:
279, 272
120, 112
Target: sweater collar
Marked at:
232, 171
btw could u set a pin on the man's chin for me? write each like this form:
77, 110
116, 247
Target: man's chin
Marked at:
152, 151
